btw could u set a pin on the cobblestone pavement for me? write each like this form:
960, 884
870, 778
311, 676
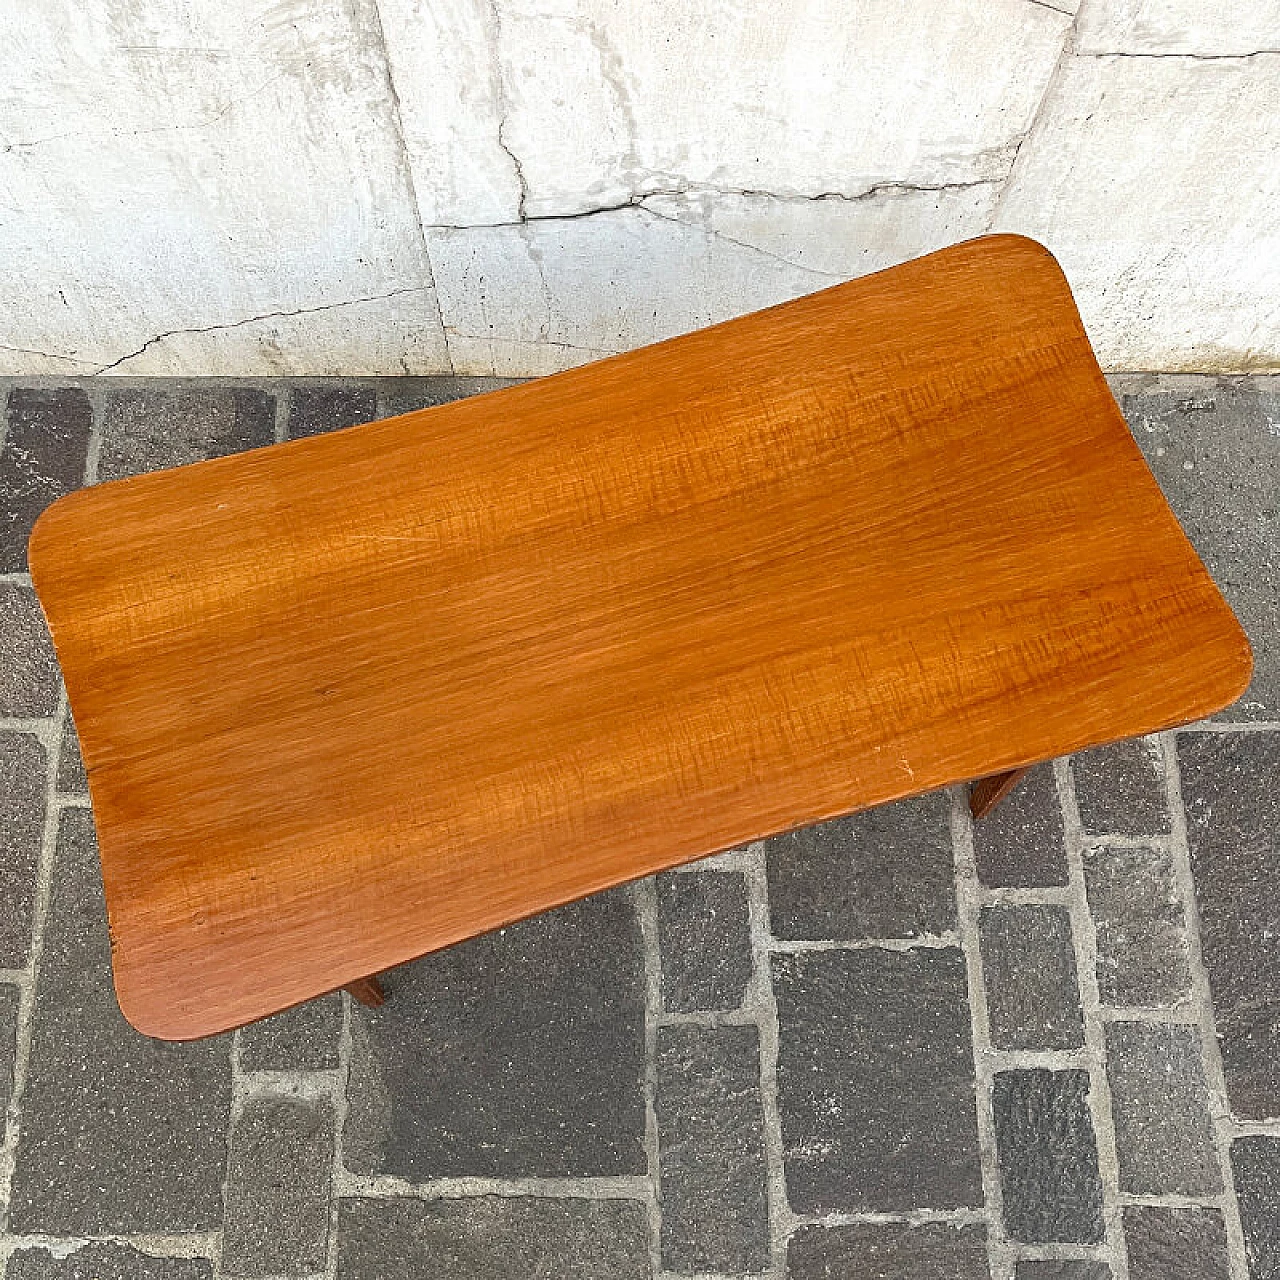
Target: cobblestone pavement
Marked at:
892, 1046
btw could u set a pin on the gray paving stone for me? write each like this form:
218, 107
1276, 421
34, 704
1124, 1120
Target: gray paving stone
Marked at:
22, 793
404, 395
1175, 1244
715, 1216
875, 1080
104, 1260
28, 668
887, 1251
493, 1238
1216, 455
1033, 999
517, 1054
1061, 1269
883, 873
1160, 1108
1140, 926
145, 429
1255, 1164
304, 1038
71, 774
1048, 1157
121, 1134
1231, 790
9, 998
317, 409
279, 1176
705, 942
1120, 789
1021, 844
43, 458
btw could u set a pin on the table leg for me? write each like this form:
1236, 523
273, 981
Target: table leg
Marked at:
988, 792
367, 991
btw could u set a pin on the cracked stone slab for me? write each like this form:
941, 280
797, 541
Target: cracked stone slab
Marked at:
888, 1251
704, 941
1214, 446
1021, 844
715, 1213
882, 873
516, 1054
45, 446
28, 669
200, 168
876, 1080
1139, 924
22, 800
1099, 157
1048, 1156
144, 429
103, 1260
100, 1098
1160, 1110
1175, 1244
1231, 790
279, 1176
493, 1238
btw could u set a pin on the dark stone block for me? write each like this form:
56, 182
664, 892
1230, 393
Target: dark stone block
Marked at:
1255, 1162
1120, 789
1160, 1108
1216, 456
1140, 926
315, 410
875, 1080
705, 942
493, 1238
715, 1216
1061, 1269
9, 999
1175, 1244
121, 1134
1033, 1000
304, 1038
1021, 844
22, 792
71, 775
519, 1053
1048, 1157
145, 430
404, 395
28, 668
888, 1251
883, 873
278, 1182
1231, 788
104, 1260
43, 459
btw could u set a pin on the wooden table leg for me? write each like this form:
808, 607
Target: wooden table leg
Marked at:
367, 991
988, 792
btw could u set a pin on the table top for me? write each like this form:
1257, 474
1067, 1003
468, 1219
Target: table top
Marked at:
346, 700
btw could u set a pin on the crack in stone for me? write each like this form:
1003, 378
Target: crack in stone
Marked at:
266, 315
504, 108
48, 355
1198, 57
1053, 8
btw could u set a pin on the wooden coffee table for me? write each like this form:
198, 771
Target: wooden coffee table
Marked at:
347, 700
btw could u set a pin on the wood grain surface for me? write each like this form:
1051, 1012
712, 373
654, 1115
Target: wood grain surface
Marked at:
346, 700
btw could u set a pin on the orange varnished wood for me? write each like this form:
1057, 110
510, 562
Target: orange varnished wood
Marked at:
350, 699
986, 793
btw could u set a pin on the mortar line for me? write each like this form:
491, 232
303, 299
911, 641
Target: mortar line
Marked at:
235, 1106
1230, 726
27, 992
646, 904
41, 727
999, 1247
1028, 896
463, 1187
16, 577
341, 1082
760, 997
1084, 942
183, 1244
283, 395
97, 394
1202, 994
925, 942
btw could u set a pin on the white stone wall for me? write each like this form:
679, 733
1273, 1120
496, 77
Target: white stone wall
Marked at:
516, 186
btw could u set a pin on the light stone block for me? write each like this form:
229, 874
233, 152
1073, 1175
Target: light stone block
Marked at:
1179, 26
